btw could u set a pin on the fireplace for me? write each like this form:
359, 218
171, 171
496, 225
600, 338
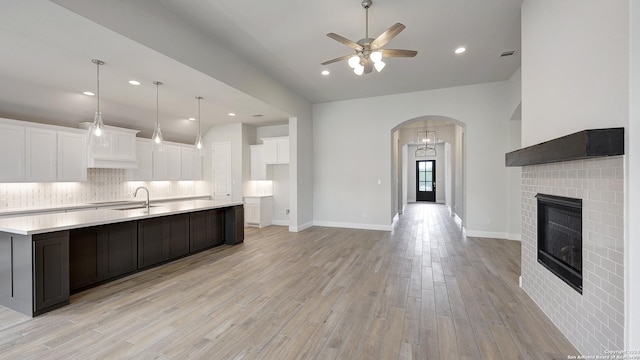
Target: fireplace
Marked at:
560, 237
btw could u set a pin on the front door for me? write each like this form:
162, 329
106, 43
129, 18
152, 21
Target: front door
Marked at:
425, 180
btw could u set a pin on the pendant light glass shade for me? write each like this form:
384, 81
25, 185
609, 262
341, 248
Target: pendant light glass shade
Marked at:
157, 139
97, 134
199, 143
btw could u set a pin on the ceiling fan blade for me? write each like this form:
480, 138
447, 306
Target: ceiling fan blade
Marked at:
389, 34
368, 66
346, 57
398, 53
345, 41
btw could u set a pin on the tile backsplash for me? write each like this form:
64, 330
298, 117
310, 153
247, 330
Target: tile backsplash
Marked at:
593, 321
101, 185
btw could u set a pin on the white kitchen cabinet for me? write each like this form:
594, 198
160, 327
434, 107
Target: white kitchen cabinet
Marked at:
144, 155
31, 152
167, 165
258, 166
41, 154
258, 210
120, 153
12, 153
276, 150
191, 163
72, 156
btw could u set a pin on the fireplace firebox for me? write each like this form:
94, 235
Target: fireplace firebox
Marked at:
560, 237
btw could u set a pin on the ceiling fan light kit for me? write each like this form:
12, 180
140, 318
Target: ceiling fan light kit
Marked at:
369, 52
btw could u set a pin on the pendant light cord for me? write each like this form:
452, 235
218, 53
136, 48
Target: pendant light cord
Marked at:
199, 98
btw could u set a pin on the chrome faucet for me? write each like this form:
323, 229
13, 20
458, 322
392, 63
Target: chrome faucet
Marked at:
147, 190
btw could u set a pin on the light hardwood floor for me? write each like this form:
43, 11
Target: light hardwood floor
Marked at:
421, 291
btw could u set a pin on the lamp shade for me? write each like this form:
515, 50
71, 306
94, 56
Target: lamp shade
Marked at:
354, 61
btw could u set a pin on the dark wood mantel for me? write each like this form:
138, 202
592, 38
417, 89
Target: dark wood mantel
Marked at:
581, 145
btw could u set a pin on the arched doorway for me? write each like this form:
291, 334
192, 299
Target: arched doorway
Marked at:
448, 158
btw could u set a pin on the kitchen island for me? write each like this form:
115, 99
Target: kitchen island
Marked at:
46, 257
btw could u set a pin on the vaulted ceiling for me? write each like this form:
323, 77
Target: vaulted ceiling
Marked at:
47, 47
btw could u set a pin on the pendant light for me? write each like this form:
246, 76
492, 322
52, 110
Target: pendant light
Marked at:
157, 140
97, 134
199, 144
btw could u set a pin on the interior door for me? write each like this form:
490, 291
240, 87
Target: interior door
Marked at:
222, 171
426, 180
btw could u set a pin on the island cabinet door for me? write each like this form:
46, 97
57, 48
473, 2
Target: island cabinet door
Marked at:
119, 244
153, 242
206, 229
85, 254
51, 270
234, 225
178, 228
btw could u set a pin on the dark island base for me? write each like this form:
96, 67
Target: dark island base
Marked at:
39, 272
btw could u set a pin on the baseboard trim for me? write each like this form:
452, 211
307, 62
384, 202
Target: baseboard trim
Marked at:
514, 237
487, 234
305, 226
352, 225
280, 222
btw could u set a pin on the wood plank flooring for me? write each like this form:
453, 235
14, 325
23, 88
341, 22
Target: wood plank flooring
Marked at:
421, 291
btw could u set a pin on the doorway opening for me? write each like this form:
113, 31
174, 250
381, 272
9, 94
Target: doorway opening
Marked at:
426, 180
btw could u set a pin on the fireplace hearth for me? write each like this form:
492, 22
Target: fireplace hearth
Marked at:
560, 237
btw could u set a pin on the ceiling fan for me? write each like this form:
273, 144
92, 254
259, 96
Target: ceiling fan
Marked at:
369, 52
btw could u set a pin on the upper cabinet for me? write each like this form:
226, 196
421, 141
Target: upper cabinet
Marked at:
258, 166
144, 154
72, 156
120, 153
276, 150
31, 152
42, 154
12, 153
177, 162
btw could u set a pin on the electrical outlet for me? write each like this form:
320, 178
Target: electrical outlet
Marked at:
286, 211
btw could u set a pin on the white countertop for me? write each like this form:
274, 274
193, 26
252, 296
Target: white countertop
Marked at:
49, 222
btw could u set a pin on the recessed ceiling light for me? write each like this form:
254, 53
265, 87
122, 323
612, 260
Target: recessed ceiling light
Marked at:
134, 82
232, 114
192, 119
89, 93
325, 72
460, 50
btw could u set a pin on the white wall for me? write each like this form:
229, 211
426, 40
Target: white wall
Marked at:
632, 245
575, 67
576, 76
515, 181
352, 151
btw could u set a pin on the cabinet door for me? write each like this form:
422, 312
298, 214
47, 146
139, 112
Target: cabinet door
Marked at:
234, 225
124, 146
160, 166
144, 171
206, 229
283, 150
51, 270
72, 157
42, 159
187, 163
270, 151
178, 228
12, 153
258, 167
119, 249
153, 242
85, 254
252, 214
174, 162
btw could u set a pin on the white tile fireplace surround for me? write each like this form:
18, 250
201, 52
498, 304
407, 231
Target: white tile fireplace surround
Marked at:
593, 321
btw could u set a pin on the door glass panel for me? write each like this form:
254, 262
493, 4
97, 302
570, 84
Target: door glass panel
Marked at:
427, 175
428, 186
421, 176
428, 165
422, 187
421, 166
